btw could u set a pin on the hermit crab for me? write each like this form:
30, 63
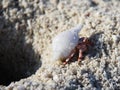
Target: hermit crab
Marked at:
67, 43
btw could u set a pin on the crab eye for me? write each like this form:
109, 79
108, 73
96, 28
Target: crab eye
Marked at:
81, 39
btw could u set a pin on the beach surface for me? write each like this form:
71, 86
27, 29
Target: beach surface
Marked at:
27, 28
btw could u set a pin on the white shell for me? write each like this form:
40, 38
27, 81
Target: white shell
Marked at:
65, 42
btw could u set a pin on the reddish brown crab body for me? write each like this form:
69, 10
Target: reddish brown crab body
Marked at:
82, 47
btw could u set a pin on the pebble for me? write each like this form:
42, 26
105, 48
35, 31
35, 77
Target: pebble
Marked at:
6, 3
56, 78
27, 83
118, 58
19, 87
55, 2
35, 84
115, 38
24, 4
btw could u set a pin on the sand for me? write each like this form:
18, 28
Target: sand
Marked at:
26, 31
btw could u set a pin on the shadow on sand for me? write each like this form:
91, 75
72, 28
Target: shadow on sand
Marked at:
17, 58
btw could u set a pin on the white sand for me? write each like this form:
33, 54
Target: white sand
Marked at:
100, 70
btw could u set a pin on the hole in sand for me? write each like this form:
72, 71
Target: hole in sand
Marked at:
17, 58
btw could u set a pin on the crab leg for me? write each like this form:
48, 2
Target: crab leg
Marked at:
80, 55
87, 42
70, 56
